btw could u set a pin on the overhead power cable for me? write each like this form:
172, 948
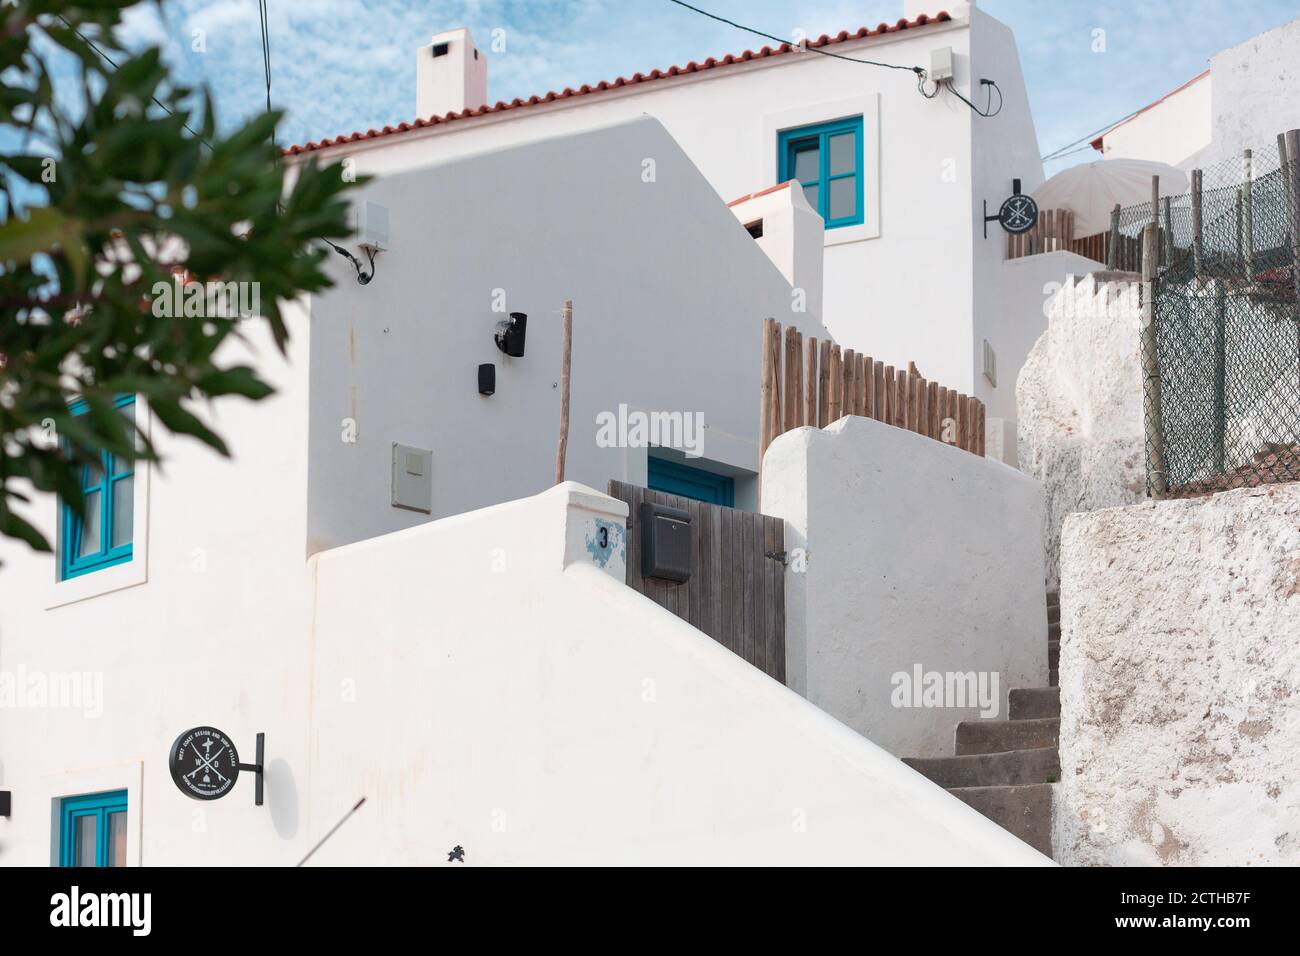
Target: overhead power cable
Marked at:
266, 48
921, 75
1056, 153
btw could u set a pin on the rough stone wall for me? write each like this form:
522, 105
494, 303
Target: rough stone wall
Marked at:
1180, 682
1079, 398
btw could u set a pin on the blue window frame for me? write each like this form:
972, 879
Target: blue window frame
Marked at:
103, 538
826, 160
92, 830
696, 483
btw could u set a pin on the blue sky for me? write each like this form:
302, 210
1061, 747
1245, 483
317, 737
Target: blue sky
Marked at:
342, 65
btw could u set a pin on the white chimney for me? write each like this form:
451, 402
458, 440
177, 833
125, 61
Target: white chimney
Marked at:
791, 234
450, 75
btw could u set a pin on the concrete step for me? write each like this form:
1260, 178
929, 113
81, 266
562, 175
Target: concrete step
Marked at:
999, 736
1024, 811
1053, 614
1025, 703
989, 770
1053, 678
1053, 655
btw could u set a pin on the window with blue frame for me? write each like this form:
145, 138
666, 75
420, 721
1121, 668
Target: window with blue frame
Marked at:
826, 160
103, 537
673, 478
92, 830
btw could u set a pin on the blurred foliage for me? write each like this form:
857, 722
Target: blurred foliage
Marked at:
133, 184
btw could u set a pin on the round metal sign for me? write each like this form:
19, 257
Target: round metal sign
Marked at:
204, 763
1019, 213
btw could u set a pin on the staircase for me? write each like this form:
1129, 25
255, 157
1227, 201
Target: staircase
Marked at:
1005, 768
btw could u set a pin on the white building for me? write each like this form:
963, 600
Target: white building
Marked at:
912, 273
1249, 94
485, 680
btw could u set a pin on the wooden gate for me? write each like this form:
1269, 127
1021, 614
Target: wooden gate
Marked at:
736, 592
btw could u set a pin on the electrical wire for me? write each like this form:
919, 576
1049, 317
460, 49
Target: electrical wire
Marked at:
811, 49
266, 48
922, 77
1056, 154
113, 63
988, 110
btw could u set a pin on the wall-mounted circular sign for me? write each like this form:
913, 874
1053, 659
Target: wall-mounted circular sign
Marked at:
1019, 213
204, 763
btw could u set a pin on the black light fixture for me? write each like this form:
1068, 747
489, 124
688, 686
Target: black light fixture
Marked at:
510, 333
487, 378
5, 803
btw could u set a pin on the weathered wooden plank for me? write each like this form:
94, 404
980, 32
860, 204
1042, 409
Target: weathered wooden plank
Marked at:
824, 385
890, 396
850, 382
935, 413
778, 605
879, 403
791, 369
747, 610
810, 384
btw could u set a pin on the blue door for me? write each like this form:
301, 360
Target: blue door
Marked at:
695, 483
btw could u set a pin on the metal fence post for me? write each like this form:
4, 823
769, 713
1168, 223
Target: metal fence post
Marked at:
1198, 252
1292, 179
1156, 472
1220, 373
1112, 250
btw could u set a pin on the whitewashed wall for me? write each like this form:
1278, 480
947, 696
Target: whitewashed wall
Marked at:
1080, 403
923, 187
212, 626
669, 295
1179, 677
1172, 130
553, 715
917, 553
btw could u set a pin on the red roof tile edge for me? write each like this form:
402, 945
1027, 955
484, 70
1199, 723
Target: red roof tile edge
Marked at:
1097, 143
762, 192
843, 36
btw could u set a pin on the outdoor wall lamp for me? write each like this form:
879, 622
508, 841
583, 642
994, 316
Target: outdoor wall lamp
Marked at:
509, 334
5, 803
487, 379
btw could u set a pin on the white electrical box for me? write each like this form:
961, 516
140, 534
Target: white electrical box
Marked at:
941, 64
372, 225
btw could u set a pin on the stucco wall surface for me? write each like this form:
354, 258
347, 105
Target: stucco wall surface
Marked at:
501, 689
1180, 683
1080, 403
917, 554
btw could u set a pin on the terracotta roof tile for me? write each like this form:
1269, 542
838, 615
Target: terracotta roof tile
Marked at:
636, 78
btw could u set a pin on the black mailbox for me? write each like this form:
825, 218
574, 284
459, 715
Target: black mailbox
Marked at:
665, 542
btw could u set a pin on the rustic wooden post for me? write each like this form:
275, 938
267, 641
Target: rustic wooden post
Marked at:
824, 385
565, 361
837, 385
961, 421
1282, 158
1238, 255
980, 425
878, 381
922, 406
850, 382
861, 379
810, 384
889, 405
1248, 203
1198, 257
1170, 248
1157, 475
900, 398
1155, 201
932, 403
792, 367
1293, 201
766, 425
1112, 250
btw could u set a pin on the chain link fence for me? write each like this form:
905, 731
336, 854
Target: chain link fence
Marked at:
1221, 338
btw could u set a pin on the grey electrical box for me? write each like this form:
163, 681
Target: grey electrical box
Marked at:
412, 478
941, 64
665, 542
